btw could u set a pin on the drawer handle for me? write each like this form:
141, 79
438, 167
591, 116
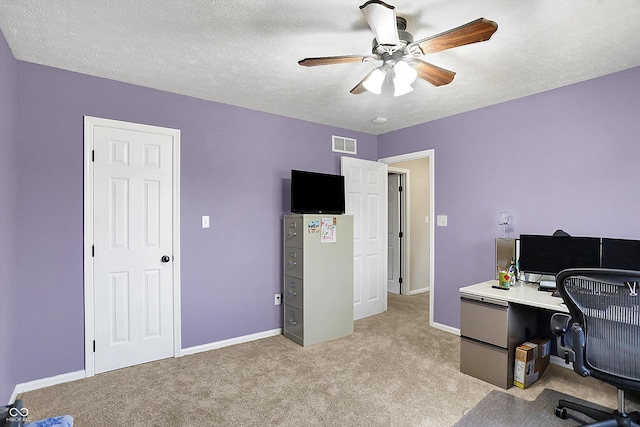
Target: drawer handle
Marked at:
292, 234
292, 293
292, 322
292, 264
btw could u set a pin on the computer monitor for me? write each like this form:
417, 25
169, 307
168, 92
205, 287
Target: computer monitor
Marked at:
550, 255
621, 253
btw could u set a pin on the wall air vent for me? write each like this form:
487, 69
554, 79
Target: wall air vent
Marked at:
343, 145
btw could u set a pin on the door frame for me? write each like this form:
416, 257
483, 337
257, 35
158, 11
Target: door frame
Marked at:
405, 218
415, 156
89, 315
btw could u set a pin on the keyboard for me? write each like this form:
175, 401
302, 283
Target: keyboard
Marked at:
547, 284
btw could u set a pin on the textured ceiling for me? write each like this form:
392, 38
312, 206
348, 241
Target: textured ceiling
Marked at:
245, 53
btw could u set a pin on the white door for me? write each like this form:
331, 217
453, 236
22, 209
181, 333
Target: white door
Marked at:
366, 199
133, 246
393, 235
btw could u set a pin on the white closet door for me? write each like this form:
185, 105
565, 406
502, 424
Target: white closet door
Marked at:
133, 240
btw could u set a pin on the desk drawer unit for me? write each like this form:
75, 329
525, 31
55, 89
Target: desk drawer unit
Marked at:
490, 330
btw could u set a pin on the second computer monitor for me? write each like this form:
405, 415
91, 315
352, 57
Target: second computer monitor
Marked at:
550, 255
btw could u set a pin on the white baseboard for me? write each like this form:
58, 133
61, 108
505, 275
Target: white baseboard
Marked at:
420, 291
231, 341
445, 328
46, 382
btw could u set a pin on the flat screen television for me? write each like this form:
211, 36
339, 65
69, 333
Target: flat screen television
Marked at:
313, 192
621, 253
550, 255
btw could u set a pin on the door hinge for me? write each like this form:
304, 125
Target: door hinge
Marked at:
400, 188
93, 155
94, 346
93, 250
400, 235
399, 281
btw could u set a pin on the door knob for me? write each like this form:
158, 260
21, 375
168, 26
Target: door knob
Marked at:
165, 258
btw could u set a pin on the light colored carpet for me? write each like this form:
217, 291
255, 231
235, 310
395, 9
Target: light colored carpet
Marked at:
394, 370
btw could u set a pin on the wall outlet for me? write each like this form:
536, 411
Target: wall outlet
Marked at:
277, 299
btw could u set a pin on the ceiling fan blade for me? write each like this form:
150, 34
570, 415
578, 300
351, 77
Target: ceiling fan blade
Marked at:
381, 17
331, 60
433, 74
475, 31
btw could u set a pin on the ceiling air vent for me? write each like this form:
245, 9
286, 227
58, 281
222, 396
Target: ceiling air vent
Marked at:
343, 145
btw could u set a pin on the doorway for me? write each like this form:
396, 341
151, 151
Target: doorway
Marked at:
398, 231
419, 240
132, 244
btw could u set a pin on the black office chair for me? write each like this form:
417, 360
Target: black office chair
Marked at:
602, 335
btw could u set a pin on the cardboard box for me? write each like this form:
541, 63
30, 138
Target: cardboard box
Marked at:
532, 358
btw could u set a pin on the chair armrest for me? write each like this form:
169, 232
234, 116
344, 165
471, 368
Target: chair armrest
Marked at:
560, 323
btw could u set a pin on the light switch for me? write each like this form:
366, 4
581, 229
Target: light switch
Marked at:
441, 220
205, 221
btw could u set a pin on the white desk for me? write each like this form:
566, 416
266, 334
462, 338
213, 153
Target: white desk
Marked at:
524, 294
493, 322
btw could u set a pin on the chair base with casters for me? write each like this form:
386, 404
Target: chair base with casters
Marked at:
601, 337
613, 418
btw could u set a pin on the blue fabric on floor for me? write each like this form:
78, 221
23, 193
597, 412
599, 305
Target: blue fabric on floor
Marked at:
63, 421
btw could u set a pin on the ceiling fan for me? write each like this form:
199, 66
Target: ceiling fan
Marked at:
400, 55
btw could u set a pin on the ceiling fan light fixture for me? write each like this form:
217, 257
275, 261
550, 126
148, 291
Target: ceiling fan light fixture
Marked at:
403, 78
404, 73
401, 89
373, 83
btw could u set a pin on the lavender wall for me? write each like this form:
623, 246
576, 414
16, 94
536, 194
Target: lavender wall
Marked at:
235, 166
564, 159
540, 157
8, 198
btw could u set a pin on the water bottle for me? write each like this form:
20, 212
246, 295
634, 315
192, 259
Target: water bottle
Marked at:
513, 272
